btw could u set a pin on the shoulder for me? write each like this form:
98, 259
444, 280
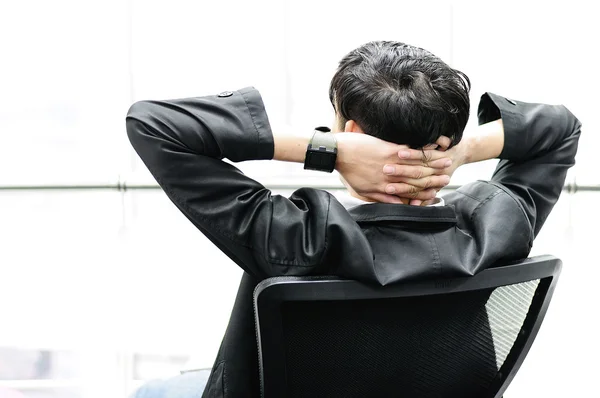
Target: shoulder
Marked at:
489, 206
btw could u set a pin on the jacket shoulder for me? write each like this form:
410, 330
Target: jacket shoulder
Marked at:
486, 206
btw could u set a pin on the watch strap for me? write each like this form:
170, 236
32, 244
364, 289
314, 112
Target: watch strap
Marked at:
323, 139
321, 152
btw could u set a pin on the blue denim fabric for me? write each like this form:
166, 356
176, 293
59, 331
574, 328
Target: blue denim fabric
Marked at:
187, 385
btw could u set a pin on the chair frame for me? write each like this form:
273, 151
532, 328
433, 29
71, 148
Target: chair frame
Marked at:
272, 292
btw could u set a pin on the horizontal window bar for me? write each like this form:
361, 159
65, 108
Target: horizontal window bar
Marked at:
569, 187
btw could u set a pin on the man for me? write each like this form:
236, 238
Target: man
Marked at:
394, 104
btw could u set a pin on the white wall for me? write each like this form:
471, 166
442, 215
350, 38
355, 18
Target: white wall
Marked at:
106, 272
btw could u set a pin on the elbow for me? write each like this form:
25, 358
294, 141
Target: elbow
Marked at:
571, 123
571, 132
134, 130
138, 117
139, 111
561, 124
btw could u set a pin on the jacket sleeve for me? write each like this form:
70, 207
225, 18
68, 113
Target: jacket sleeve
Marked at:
182, 143
540, 143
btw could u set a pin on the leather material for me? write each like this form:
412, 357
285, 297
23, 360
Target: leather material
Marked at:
483, 224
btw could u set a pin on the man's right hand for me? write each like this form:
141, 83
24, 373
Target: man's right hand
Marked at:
432, 154
486, 142
361, 159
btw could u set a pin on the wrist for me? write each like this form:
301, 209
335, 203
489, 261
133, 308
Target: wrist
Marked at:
346, 150
340, 150
487, 143
290, 146
470, 145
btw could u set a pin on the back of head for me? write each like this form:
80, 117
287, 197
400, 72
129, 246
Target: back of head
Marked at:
401, 93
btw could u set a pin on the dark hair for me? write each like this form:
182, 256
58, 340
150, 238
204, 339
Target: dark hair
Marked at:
401, 93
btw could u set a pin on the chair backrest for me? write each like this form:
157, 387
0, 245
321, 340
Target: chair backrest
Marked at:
463, 337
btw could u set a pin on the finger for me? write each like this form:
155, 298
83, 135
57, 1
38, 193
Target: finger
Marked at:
403, 169
443, 142
396, 168
424, 157
434, 181
415, 172
383, 198
416, 202
409, 191
442, 163
420, 155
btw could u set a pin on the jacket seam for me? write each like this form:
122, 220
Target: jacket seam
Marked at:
503, 189
407, 218
225, 394
253, 121
435, 253
469, 196
283, 263
211, 385
483, 202
322, 256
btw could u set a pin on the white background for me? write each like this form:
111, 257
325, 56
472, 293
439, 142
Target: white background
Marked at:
108, 273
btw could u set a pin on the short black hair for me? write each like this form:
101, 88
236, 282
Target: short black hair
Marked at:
401, 93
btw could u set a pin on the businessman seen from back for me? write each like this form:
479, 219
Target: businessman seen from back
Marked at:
396, 140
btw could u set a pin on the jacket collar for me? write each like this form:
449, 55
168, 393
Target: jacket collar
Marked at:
429, 215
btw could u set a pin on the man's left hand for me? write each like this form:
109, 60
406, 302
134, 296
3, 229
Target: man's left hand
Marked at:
361, 161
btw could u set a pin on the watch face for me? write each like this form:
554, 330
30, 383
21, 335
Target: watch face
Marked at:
320, 160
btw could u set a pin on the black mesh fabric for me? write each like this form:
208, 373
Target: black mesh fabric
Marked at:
428, 346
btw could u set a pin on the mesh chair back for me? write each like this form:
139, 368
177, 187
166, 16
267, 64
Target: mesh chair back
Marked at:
327, 337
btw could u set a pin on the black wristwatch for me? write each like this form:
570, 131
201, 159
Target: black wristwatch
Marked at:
321, 153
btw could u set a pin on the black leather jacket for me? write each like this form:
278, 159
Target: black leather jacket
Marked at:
483, 223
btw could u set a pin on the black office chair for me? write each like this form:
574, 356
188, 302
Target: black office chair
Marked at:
456, 338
